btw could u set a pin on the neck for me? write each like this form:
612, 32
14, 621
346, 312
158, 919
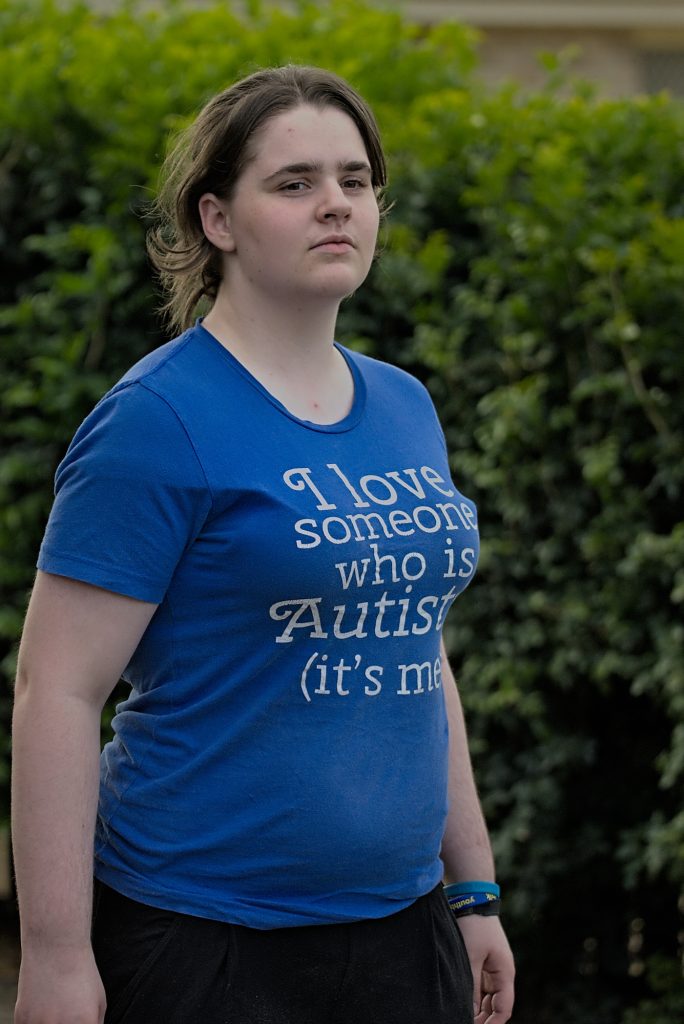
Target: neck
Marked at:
290, 350
265, 336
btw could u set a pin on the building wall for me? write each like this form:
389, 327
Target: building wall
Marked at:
623, 46
606, 58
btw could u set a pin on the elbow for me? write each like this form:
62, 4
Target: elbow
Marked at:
22, 681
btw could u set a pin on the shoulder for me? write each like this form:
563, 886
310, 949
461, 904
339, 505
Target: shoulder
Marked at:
149, 402
169, 364
400, 397
138, 429
386, 375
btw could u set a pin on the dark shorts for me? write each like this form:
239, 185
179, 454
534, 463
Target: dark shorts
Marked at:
160, 967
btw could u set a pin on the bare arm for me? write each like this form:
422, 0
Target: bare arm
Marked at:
467, 856
466, 850
77, 641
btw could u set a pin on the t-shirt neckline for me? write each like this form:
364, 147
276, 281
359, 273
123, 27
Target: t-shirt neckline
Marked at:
340, 426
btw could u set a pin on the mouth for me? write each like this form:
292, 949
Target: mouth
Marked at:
335, 243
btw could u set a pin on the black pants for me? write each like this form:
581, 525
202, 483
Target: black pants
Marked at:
160, 967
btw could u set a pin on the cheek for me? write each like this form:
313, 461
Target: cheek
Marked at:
372, 218
273, 233
258, 224
371, 227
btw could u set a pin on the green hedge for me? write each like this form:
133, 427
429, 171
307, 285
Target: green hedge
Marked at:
533, 276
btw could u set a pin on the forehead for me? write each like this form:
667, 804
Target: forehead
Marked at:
308, 133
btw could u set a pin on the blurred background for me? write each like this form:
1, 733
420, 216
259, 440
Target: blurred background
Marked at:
623, 46
533, 278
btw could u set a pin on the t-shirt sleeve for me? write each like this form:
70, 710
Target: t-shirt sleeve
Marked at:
439, 429
433, 417
130, 497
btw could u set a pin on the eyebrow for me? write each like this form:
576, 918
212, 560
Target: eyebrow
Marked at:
317, 168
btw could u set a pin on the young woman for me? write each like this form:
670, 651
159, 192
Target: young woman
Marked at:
257, 529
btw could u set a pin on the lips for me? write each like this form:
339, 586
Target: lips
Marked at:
336, 243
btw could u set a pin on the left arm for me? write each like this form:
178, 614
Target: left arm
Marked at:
467, 856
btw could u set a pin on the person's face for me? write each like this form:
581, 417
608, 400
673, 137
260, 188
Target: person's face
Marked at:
303, 220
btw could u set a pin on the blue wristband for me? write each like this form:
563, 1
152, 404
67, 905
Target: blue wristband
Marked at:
469, 901
467, 888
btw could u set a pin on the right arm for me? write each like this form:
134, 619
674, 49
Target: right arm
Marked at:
77, 641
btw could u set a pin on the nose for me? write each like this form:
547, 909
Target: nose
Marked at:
335, 204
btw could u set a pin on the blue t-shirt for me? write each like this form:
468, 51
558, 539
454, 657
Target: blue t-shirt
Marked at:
281, 758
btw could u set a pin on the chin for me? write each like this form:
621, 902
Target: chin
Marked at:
340, 286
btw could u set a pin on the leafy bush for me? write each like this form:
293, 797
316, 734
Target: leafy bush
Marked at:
533, 276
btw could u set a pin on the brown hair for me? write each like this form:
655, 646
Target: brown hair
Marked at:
210, 155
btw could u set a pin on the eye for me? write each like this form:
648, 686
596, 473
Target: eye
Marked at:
354, 184
293, 186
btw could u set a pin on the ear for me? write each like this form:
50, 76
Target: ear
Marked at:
216, 221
